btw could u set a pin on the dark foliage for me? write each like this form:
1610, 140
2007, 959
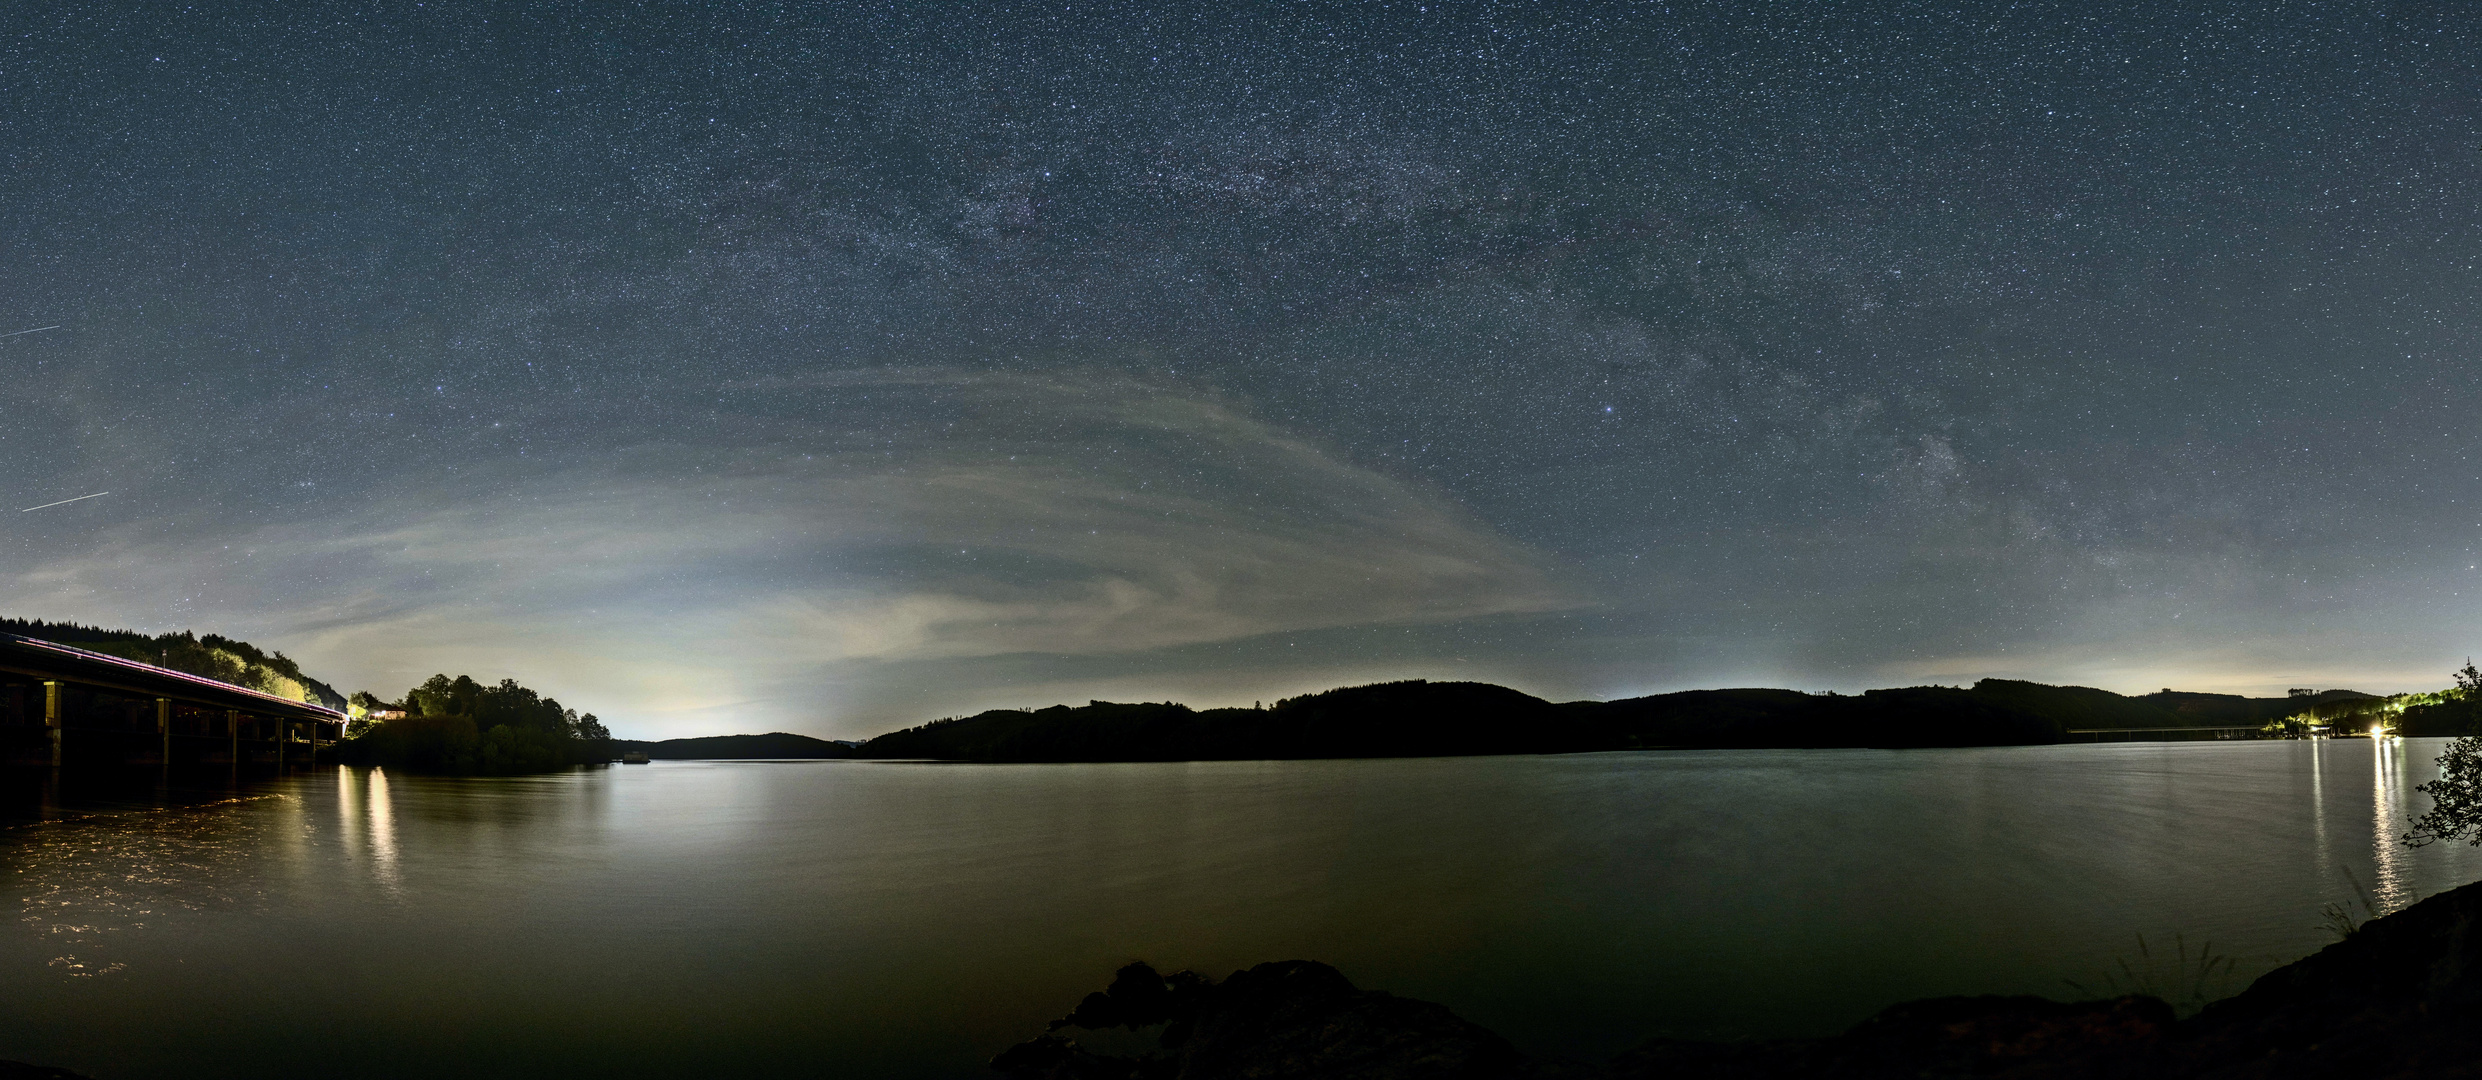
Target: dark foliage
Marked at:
774, 744
2074, 707
1418, 719
2446, 719
1422, 719
2233, 710
1400, 719
459, 726
1100, 731
210, 656
1425, 719
68, 633
1918, 716
2460, 714
2456, 796
430, 744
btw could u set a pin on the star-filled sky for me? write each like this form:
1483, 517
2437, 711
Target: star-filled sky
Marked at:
833, 367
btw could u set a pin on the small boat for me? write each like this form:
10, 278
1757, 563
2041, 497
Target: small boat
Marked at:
634, 757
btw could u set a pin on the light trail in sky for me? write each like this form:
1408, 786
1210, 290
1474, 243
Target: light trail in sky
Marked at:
64, 502
36, 330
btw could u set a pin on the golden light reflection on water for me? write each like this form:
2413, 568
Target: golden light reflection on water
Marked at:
2318, 807
382, 833
348, 814
2389, 821
864, 912
84, 882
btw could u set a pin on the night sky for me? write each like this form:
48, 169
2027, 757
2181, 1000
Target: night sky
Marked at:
832, 368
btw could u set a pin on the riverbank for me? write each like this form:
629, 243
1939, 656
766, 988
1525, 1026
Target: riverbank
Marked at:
2401, 996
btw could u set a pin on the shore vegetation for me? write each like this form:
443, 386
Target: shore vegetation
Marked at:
2456, 796
208, 656
457, 726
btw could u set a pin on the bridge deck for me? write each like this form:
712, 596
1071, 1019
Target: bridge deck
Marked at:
64, 705
2184, 727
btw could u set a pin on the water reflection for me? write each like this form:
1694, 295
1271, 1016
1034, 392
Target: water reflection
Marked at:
907, 921
2325, 852
2389, 821
383, 832
86, 884
348, 813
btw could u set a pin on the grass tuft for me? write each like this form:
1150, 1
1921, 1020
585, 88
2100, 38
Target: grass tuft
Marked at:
2185, 980
2339, 919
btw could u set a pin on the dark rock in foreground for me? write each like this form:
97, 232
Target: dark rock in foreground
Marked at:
1295, 1018
1941, 1037
2400, 998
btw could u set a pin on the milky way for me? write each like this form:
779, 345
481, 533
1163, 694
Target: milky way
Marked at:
747, 367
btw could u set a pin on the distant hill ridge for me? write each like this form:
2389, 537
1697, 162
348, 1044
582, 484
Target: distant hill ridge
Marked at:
1417, 718
773, 745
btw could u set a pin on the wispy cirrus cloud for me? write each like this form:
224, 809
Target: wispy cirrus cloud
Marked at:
1080, 514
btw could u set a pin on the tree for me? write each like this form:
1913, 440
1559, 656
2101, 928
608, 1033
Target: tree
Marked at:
440, 695
2456, 796
462, 726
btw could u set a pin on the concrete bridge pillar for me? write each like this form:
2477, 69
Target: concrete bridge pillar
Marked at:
52, 719
232, 727
282, 733
163, 729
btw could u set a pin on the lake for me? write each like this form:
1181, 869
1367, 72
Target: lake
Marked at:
909, 920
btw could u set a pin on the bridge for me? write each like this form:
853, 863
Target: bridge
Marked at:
2164, 734
63, 706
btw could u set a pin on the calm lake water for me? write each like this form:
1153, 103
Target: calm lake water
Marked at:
869, 919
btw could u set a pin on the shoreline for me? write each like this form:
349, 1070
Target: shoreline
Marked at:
2399, 996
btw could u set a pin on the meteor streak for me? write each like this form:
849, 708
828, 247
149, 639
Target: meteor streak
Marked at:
36, 330
65, 502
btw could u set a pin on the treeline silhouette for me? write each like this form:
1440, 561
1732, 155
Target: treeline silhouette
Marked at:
2454, 712
210, 656
460, 726
1398, 719
1417, 718
773, 745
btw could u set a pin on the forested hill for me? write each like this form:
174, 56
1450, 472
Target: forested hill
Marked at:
208, 655
2195, 708
775, 745
1400, 719
1421, 719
